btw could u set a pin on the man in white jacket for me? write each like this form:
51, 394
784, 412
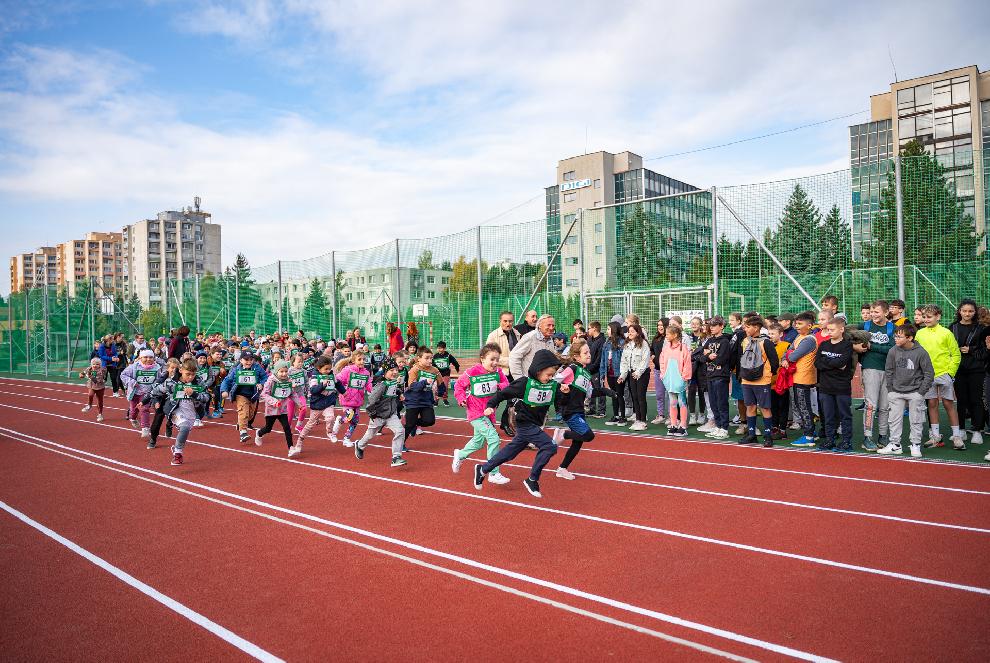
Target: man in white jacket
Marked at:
540, 338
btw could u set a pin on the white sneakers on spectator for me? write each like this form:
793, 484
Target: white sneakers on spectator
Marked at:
638, 425
891, 449
718, 434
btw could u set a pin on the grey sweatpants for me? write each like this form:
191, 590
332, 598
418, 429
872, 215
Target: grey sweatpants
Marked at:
393, 424
917, 408
875, 392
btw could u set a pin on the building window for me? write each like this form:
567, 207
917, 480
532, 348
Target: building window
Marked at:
598, 227
431, 279
570, 261
430, 294
598, 184
572, 283
599, 249
569, 175
572, 240
570, 197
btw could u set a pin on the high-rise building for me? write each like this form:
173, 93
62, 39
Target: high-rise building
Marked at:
163, 255
595, 181
944, 112
38, 268
98, 257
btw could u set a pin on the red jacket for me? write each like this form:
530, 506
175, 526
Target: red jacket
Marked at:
395, 342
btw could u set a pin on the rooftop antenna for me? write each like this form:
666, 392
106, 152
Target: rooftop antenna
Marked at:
586, 139
891, 56
196, 202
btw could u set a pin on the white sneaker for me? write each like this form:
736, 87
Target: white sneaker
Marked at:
558, 435
891, 449
958, 444
333, 437
145, 433
706, 427
977, 438
87, 408
564, 473
257, 438
99, 417
336, 427
294, 451
916, 451
348, 443
457, 462
198, 423
795, 426
498, 479
638, 425
741, 429
987, 457
631, 417
718, 434
656, 420
695, 420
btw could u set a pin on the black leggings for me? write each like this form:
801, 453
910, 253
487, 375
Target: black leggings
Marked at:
282, 419
618, 401
115, 382
577, 441
156, 423
418, 416
695, 394
638, 390
969, 400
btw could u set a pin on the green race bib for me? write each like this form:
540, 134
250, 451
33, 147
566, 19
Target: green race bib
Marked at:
214, 371
281, 390
180, 390
203, 372
297, 378
324, 380
429, 377
266, 357
309, 363
537, 394
145, 376
228, 363
357, 381
391, 388
484, 385
582, 380
443, 363
246, 377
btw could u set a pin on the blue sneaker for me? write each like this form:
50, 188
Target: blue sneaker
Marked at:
869, 445
215, 415
804, 441
842, 449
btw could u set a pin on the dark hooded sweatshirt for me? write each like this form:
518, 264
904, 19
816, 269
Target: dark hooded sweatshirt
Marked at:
527, 415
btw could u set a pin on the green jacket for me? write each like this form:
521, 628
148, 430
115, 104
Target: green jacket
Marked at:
941, 346
881, 341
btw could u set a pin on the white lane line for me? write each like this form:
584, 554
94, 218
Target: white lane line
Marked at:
699, 491
224, 634
754, 468
628, 436
570, 514
621, 605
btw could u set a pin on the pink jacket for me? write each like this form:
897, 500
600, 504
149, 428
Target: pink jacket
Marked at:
476, 405
353, 398
681, 353
273, 406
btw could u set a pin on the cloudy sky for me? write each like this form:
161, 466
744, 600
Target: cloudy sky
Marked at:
310, 126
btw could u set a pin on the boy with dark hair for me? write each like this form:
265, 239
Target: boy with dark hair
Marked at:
896, 312
442, 361
716, 357
835, 365
780, 404
908, 375
864, 311
757, 364
786, 321
874, 361
802, 354
596, 341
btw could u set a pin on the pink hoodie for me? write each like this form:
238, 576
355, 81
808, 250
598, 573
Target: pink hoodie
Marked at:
274, 406
476, 405
353, 398
681, 353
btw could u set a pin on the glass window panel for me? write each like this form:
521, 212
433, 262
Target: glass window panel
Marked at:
905, 127
962, 124
923, 94
873, 140
924, 121
905, 97
960, 93
942, 97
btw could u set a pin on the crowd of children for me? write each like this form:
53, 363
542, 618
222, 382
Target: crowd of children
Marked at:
788, 372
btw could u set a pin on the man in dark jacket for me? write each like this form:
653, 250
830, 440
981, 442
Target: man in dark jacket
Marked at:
596, 341
535, 394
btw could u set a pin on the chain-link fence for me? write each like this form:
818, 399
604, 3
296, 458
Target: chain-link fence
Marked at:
771, 247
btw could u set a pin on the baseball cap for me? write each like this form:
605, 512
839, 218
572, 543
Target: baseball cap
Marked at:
248, 354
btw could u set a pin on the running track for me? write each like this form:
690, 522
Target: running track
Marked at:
660, 550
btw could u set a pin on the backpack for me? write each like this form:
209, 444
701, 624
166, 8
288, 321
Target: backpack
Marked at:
752, 360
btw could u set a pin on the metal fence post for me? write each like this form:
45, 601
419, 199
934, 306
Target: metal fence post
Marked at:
237, 302
47, 326
582, 301
900, 226
333, 290
68, 356
168, 312
226, 307
398, 288
198, 326
279, 294
92, 312
10, 330
27, 326
715, 290
481, 317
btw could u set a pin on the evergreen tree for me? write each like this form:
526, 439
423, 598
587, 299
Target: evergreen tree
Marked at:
246, 295
639, 262
833, 240
936, 228
132, 308
315, 314
793, 241
152, 322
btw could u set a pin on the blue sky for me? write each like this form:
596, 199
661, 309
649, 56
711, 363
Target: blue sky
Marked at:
312, 126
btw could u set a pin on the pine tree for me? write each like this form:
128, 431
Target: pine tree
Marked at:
833, 240
936, 228
793, 240
315, 314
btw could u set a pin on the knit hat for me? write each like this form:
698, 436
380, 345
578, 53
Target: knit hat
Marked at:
279, 365
146, 353
388, 365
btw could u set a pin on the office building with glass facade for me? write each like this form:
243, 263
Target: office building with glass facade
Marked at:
603, 184
947, 114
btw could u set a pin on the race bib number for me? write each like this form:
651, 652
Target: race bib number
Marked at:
443, 363
538, 394
214, 371
324, 380
484, 385
582, 380
357, 381
266, 357
203, 373
180, 390
297, 378
228, 364
391, 388
430, 378
309, 363
281, 390
246, 378
146, 377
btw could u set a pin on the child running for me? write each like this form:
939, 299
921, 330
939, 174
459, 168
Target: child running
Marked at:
243, 385
322, 398
96, 381
298, 403
139, 379
471, 391
157, 403
576, 387
355, 381
421, 394
383, 408
442, 361
675, 372
276, 395
218, 371
535, 394
182, 397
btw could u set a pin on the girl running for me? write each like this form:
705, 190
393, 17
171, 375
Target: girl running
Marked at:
472, 390
355, 381
575, 388
322, 398
421, 394
96, 381
298, 409
182, 395
276, 395
139, 378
